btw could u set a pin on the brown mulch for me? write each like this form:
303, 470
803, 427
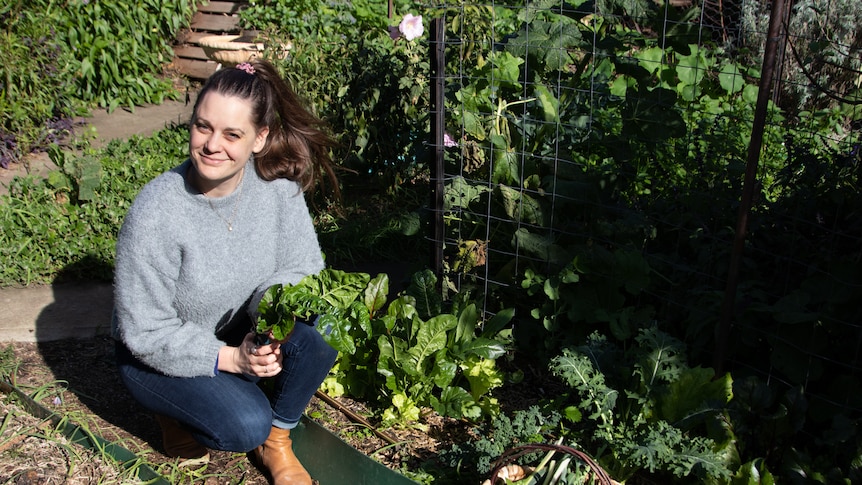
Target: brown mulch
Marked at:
78, 379
33, 452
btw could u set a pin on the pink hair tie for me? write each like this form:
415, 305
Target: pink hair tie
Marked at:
245, 67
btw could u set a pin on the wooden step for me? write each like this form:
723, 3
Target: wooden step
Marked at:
195, 68
215, 23
188, 51
191, 38
221, 7
210, 18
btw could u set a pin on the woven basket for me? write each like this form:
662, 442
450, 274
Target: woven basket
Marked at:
227, 50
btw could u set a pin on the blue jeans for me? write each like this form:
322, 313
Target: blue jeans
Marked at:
232, 412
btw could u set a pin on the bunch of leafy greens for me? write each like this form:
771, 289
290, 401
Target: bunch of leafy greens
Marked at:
340, 301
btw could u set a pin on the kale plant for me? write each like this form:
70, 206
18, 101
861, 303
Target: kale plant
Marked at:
640, 410
475, 459
645, 410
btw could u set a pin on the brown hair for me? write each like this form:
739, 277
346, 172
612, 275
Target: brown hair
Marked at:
298, 144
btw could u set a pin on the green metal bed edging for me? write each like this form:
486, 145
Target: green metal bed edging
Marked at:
327, 458
331, 461
77, 435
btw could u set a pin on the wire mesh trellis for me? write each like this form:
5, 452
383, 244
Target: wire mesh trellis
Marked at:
598, 140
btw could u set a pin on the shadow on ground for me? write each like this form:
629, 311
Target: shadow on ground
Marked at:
72, 336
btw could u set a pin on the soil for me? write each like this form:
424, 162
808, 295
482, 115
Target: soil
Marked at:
77, 378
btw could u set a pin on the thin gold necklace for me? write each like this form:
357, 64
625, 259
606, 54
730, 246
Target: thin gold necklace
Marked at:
229, 222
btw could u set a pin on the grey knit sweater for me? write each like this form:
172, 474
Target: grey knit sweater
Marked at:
181, 276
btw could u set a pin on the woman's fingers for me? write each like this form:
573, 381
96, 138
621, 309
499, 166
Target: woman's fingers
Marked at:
262, 360
266, 364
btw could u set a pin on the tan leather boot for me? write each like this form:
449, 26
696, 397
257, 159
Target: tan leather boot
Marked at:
179, 443
276, 455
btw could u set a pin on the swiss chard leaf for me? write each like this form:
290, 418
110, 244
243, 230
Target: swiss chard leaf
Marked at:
466, 329
498, 322
453, 401
423, 287
430, 338
339, 288
444, 370
376, 293
482, 347
338, 298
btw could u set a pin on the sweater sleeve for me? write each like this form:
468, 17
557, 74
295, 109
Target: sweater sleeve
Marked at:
148, 263
299, 252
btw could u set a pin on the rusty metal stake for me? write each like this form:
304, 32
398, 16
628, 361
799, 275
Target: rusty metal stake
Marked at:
774, 39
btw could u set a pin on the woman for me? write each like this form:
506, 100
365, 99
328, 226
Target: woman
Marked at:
198, 248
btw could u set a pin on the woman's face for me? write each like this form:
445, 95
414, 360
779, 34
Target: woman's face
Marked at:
222, 140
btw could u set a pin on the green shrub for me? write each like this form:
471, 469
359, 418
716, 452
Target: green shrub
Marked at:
35, 81
119, 49
65, 226
59, 60
373, 89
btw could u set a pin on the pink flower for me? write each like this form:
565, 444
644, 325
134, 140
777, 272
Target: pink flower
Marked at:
411, 26
448, 141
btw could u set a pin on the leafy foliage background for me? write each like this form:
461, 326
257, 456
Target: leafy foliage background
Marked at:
597, 182
60, 59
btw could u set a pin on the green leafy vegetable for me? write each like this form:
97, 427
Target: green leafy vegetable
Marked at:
343, 303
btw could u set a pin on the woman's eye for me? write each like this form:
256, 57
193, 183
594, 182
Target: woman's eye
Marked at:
202, 128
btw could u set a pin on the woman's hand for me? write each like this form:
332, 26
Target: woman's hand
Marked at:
251, 359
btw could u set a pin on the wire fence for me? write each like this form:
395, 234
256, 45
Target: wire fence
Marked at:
716, 142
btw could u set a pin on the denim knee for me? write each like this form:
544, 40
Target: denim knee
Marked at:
307, 359
246, 434
240, 430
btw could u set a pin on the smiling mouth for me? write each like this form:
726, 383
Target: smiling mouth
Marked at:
214, 160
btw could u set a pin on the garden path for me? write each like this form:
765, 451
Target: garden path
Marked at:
79, 310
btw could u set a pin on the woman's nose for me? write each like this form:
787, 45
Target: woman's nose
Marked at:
212, 145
